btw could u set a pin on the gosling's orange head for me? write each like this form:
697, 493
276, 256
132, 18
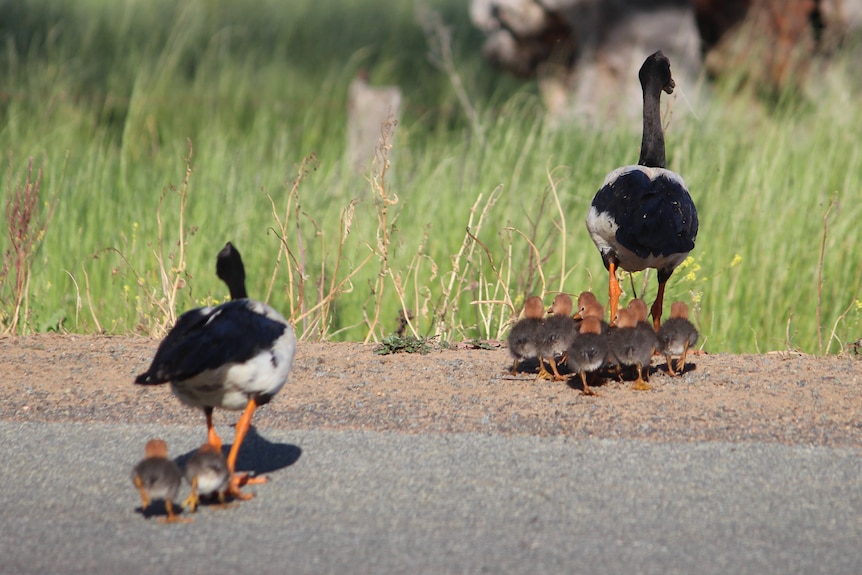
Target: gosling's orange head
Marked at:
534, 308
679, 309
639, 307
562, 305
594, 310
156, 448
591, 325
626, 318
586, 297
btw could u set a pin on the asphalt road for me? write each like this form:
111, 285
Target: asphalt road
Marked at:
363, 502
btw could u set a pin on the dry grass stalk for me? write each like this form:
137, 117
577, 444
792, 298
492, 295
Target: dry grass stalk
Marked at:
498, 293
296, 271
833, 336
312, 321
383, 199
820, 275
420, 294
172, 267
157, 307
27, 220
90, 299
463, 264
489, 293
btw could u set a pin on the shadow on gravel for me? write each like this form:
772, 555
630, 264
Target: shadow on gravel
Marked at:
257, 455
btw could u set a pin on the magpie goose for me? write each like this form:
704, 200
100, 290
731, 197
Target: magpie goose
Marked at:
234, 356
643, 216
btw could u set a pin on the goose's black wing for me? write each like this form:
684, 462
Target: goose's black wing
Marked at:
656, 216
208, 338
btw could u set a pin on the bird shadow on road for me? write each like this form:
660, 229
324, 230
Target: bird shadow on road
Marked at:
257, 455
156, 509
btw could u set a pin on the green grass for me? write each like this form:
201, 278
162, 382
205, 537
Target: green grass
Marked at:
108, 95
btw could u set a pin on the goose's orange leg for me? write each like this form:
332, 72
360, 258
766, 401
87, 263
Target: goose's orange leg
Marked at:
212, 437
656, 308
238, 480
614, 291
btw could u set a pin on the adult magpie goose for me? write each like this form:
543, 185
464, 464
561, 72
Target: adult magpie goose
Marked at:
234, 356
643, 216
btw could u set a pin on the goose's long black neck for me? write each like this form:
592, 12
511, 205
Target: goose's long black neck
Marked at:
231, 271
237, 288
652, 143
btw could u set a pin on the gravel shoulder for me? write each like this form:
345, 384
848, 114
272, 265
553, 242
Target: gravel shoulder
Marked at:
781, 397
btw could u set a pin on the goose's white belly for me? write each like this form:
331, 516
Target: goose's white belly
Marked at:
231, 385
603, 231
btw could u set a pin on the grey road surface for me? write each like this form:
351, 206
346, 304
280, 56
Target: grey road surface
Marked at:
386, 503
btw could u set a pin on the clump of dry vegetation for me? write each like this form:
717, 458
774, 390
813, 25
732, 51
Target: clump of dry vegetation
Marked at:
28, 215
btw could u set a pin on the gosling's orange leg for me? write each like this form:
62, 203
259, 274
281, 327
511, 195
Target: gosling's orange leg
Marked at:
670, 369
556, 376
587, 390
145, 499
191, 502
614, 291
680, 367
640, 383
173, 517
238, 480
543, 372
514, 370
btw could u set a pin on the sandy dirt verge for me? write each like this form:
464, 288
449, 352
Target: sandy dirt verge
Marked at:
775, 397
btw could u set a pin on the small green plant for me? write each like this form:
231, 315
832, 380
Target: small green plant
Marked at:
395, 343
477, 343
